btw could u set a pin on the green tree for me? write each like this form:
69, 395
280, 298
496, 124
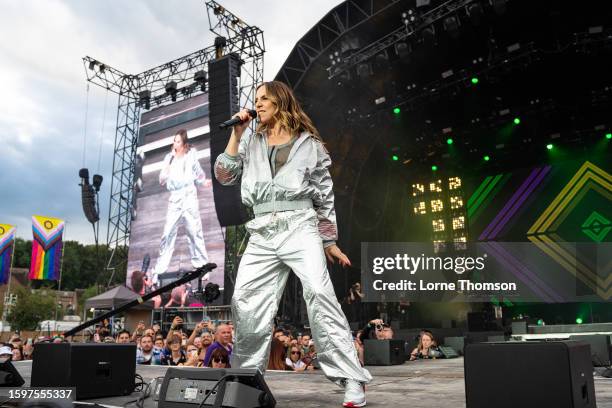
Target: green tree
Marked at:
31, 309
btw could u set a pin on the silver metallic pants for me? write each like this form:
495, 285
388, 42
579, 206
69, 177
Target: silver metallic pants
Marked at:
280, 243
182, 208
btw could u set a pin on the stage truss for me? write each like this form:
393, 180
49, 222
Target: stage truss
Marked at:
151, 87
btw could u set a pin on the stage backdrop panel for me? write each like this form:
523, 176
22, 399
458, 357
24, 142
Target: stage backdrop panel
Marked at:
156, 133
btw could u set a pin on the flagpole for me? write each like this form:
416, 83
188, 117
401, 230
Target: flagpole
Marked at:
59, 282
8, 287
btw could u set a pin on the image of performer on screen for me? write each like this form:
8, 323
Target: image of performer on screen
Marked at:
181, 174
283, 168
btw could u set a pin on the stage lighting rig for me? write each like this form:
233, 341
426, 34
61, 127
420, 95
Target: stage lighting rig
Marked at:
144, 99
171, 90
201, 78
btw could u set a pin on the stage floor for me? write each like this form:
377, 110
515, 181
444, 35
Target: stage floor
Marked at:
418, 384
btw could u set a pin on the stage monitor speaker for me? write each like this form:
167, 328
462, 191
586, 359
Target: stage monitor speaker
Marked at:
519, 327
529, 375
218, 387
95, 370
9, 376
456, 343
600, 348
224, 102
384, 352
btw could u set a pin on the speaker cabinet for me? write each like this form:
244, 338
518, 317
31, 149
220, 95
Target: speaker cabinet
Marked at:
196, 387
95, 370
384, 352
529, 375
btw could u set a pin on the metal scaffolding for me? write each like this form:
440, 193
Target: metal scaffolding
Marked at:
176, 80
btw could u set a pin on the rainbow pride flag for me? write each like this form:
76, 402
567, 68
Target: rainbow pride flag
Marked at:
7, 237
46, 248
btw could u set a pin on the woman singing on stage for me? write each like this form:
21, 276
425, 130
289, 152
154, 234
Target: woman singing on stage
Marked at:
181, 173
283, 170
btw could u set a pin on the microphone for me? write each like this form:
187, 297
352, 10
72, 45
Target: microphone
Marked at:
235, 121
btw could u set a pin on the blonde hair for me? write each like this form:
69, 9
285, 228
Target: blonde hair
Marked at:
288, 112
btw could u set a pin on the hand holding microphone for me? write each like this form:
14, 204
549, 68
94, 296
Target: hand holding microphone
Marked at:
240, 121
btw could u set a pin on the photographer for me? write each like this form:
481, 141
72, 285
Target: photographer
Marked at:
354, 299
376, 329
426, 348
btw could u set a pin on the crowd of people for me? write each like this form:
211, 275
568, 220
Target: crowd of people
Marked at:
210, 344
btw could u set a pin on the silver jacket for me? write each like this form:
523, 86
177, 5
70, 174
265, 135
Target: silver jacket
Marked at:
303, 182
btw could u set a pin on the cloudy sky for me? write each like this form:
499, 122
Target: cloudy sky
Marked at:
44, 139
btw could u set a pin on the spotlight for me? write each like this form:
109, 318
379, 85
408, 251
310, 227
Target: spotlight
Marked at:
364, 71
475, 12
382, 60
397, 110
403, 51
434, 168
201, 78
144, 98
171, 90
475, 80
102, 68
517, 121
429, 35
395, 157
451, 25
608, 135
579, 320
550, 146
92, 65
499, 6
486, 158
449, 141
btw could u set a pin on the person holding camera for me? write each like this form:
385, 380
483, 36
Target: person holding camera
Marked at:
426, 348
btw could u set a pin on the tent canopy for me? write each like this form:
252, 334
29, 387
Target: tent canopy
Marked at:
114, 298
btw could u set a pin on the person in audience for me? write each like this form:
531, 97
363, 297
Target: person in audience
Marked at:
6, 353
305, 342
123, 337
219, 359
223, 338
145, 354
174, 354
294, 359
427, 346
278, 356
206, 340
374, 330
359, 346
139, 331
159, 343
17, 354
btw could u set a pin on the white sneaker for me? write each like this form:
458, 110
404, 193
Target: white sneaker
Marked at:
354, 394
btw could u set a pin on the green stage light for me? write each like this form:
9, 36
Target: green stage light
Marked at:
396, 111
540, 322
550, 146
608, 136
517, 121
449, 141
434, 167
395, 157
474, 80
579, 320
486, 158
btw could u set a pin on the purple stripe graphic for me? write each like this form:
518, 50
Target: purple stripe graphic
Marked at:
519, 203
514, 197
531, 279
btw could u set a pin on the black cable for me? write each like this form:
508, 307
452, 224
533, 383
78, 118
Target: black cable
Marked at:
144, 388
213, 389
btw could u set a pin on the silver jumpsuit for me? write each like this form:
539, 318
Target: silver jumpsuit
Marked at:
294, 219
181, 178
